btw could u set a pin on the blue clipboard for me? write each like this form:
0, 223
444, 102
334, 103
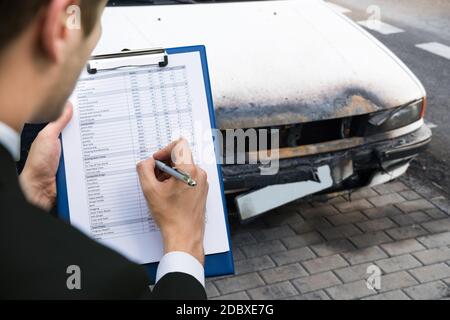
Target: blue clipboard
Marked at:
216, 264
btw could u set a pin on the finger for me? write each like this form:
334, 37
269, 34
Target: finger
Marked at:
146, 172
56, 127
182, 156
165, 154
162, 176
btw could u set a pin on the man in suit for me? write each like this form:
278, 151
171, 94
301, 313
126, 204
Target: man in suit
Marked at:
41, 57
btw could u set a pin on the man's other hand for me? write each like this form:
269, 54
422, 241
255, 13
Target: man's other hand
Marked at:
38, 178
178, 209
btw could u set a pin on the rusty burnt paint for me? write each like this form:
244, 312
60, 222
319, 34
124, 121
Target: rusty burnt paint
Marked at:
350, 102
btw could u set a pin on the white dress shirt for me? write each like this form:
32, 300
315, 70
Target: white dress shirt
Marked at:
171, 262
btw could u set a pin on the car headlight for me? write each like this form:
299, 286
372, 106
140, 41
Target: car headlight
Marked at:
396, 118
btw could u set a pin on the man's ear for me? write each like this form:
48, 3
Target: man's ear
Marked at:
55, 33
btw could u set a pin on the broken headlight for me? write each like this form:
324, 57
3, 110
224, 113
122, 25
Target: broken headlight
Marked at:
395, 118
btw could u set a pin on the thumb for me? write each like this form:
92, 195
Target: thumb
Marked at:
56, 127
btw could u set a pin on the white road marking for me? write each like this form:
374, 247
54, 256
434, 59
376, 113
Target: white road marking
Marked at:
338, 8
436, 48
430, 125
380, 26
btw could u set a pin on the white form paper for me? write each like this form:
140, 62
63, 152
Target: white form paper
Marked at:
123, 116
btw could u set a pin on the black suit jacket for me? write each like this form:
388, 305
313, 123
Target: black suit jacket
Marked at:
36, 249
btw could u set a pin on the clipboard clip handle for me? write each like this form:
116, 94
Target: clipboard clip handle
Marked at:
128, 58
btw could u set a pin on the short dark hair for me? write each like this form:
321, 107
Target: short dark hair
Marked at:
16, 15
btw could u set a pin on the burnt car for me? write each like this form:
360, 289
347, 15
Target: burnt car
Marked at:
348, 112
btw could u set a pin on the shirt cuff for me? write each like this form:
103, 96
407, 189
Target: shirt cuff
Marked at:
183, 262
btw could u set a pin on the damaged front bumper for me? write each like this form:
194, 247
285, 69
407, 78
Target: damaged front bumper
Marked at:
351, 168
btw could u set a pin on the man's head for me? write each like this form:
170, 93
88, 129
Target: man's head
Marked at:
49, 41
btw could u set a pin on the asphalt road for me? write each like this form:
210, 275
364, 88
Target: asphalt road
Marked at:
422, 21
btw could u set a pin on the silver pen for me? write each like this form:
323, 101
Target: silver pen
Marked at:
176, 173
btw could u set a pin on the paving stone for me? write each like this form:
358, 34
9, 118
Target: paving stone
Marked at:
350, 291
291, 256
239, 283
318, 295
410, 195
316, 282
364, 255
332, 247
370, 239
311, 225
443, 204
397, 280
265, 234
436, 226
234, 296
402, 247
381, 212
447, 281
393, 295
421, 188
406, 232
273, 292
237, 254
432, 272
431, 256
300, 205
428, 291
353, 273
391, 187
344, 231
436, 213
363, 194
411, 218
414, 205
324, 264
321, 251
243, 238
246, 227
386, 199
283, 216
347, 218
356, 205
283, 273
376, 225
253, 264
302, 240
211, 290
260, 249
398, 263
322, 211
436, 240
302, 227
328, 201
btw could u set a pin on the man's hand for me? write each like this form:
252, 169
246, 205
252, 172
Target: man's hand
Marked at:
178, 209
38, 178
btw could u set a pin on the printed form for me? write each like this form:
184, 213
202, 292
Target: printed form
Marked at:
123, 116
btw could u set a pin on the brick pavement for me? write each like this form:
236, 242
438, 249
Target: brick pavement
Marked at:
321, 250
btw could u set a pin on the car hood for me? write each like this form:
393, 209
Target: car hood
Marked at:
273, 62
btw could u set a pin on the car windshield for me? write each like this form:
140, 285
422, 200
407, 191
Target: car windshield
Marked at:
163, 2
